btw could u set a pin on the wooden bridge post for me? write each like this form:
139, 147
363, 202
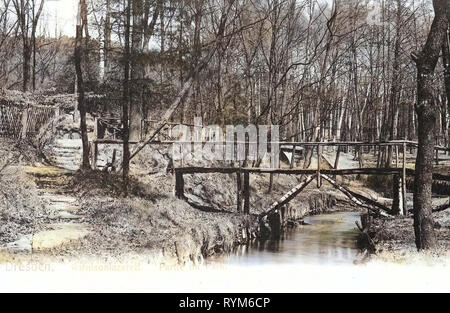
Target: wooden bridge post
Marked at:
246, 192
397, 205
336, 161
319, 178
179, 185
293, 155
95, 154
437, 156
396, 156
239, 191
96, 122
91, 153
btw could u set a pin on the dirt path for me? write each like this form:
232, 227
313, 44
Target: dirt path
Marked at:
65, 224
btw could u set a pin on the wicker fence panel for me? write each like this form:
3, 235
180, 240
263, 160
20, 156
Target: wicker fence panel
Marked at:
14, 121
10, 122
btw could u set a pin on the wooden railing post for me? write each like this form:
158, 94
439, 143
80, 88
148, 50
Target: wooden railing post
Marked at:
91, 151
95, 154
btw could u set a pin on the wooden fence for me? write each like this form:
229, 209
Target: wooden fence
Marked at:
17, 122
10, 122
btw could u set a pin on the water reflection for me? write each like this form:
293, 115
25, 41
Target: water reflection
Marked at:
329, 239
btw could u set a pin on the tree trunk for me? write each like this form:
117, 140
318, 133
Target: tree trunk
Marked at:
107, 39
26, 65
426, 108
446, 62
396, 86
80, 88
126, 102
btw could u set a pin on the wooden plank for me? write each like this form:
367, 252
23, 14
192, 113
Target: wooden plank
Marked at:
114, 141
207, 170
231, 170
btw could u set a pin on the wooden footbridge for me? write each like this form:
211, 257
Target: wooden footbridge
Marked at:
401, 172
17, 123
400, 175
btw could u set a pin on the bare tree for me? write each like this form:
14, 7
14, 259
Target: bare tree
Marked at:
28, 17
126, 96
81, 19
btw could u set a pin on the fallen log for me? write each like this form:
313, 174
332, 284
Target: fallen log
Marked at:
357, 198
371, 202
441, 208
289, 196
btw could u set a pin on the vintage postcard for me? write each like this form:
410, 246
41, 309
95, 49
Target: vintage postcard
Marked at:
191, 147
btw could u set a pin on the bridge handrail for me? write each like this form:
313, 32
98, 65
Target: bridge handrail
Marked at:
284, 143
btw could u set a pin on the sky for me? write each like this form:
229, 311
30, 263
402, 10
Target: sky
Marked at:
59, 15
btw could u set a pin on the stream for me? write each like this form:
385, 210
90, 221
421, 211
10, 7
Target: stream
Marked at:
329, 239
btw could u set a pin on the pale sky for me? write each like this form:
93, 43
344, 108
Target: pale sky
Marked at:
59, 15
